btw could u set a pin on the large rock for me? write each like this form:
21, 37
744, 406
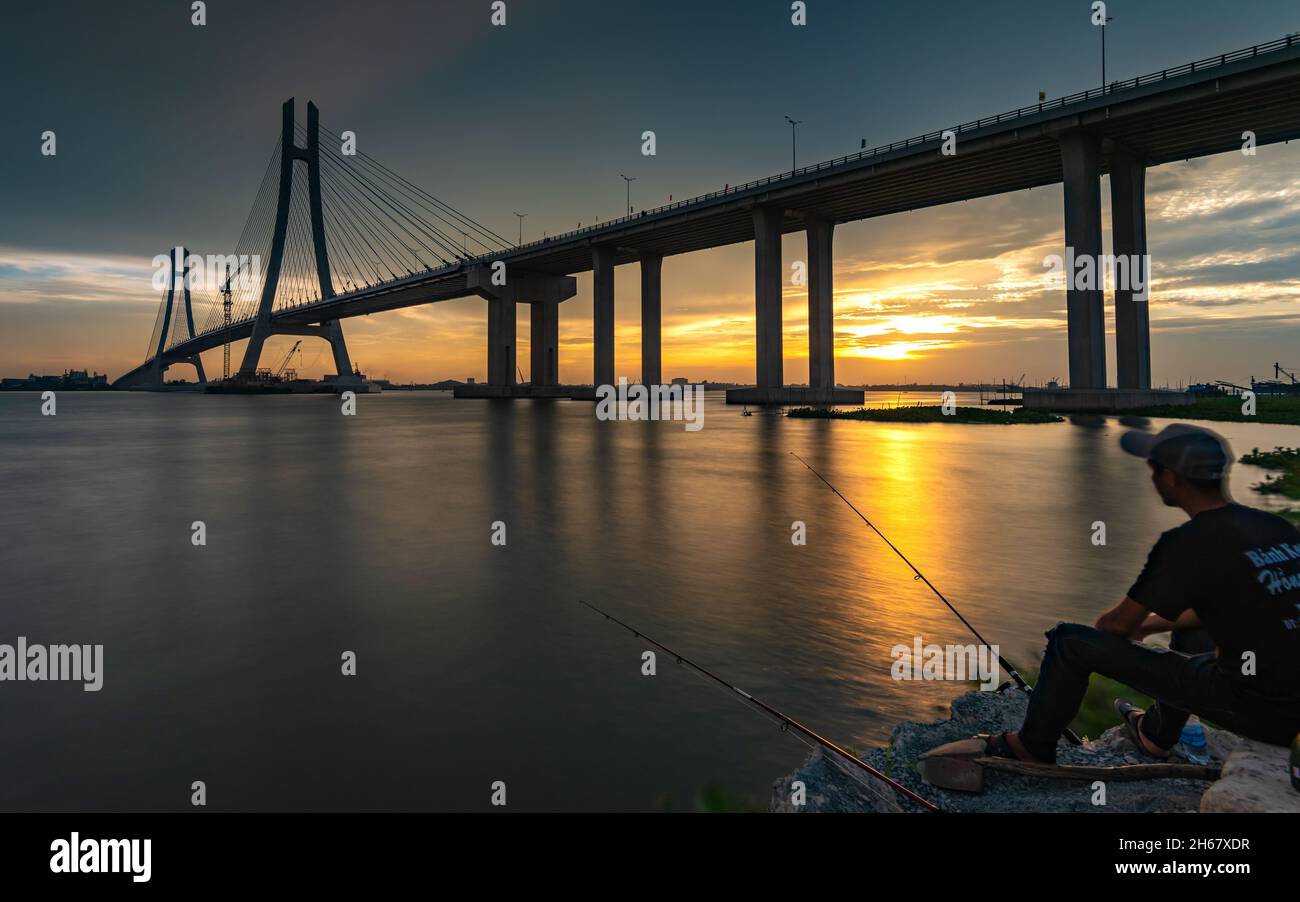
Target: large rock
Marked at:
1255, 779
832, 784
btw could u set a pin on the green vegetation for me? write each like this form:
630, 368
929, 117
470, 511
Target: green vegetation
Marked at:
920, 413
718, 799
1287, 462
1269, 409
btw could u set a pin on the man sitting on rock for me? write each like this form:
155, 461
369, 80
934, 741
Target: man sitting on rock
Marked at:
1229, 577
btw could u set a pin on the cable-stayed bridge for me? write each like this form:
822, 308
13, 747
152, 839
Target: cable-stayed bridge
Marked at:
343, 235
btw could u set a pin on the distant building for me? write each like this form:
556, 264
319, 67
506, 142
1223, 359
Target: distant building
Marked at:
71, 380
469, 381
681, 380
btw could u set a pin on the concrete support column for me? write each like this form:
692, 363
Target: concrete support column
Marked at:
1129, 232
1085, 311
821, 304
602, 314
334, 334
652, 372
767, 296
544, 343
501, 339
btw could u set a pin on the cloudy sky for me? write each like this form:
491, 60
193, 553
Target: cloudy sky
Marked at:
163, 132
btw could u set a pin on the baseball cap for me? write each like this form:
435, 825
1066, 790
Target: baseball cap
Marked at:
1187, 450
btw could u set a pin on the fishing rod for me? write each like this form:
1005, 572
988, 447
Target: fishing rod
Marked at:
1006, 665
786, 721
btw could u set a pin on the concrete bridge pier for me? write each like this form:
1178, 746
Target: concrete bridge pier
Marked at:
771, 388
602, 315
652, 372
1085, 312
501, 340
767, 297
1129, 234
544, 293
821, 305
544, 343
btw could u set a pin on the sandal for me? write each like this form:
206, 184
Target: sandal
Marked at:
1132, 716
997, 745
981, 745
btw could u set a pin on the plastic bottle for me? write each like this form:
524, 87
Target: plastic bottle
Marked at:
1193, 741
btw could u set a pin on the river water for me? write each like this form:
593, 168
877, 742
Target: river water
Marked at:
474, 662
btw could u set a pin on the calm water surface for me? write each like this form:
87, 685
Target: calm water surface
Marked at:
475, 663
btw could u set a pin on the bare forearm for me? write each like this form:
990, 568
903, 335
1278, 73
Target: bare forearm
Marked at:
1124, 619
1154, 623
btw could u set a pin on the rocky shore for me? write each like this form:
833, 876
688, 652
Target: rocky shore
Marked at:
833, 785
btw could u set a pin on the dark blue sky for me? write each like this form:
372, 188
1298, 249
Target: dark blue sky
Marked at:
164, 128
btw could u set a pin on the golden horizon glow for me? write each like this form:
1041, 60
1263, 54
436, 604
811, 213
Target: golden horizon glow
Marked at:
948, 294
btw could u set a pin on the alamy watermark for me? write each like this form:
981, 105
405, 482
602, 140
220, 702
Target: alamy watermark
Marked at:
1089, 272
75, 855
211, 272
917, 661
652, 402
38, 663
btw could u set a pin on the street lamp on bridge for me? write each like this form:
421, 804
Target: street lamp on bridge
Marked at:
794, 127
521, 226
1104, 23
629, 180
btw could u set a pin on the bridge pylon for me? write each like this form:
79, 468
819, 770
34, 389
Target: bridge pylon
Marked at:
263, 327
151, 376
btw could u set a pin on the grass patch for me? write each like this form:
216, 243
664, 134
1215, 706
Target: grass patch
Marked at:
718, 799
1286, 461
921, 413
1269, 409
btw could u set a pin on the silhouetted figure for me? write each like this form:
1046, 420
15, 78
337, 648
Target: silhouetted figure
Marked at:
1228, 578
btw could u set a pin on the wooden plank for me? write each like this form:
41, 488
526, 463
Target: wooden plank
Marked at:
1120, 772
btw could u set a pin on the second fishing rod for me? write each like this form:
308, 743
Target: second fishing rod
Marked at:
1006, 665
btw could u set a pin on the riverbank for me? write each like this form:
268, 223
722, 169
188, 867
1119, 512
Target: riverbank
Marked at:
1286, 463
922, 413
832, 787
1280, 409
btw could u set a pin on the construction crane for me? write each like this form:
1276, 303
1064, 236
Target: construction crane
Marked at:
288, 374
226, 305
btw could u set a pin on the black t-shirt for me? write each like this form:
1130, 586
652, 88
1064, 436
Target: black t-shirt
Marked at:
1239, 569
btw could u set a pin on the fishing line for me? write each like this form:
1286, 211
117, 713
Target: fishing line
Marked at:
1006, 665
854, 773
787, 723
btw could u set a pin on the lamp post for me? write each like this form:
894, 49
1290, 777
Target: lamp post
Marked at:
521, 226
794, 156
629, 181
1105, 21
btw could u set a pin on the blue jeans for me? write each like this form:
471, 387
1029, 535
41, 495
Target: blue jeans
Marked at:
1184, 679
